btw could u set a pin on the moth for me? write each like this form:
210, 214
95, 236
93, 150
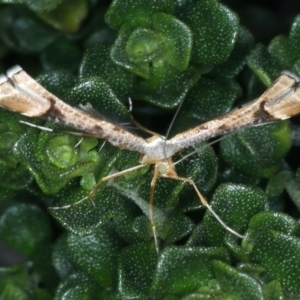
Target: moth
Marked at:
20, 93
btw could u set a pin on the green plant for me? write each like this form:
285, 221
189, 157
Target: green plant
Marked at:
158, 53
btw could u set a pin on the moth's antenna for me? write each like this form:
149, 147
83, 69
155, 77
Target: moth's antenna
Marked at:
171, 124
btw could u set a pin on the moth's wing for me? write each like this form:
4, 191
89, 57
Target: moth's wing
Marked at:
282, 99
15, 100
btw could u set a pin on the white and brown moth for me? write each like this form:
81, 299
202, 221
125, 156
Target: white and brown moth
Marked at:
22, 94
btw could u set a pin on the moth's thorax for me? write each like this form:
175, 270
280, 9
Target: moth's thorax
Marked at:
158, 149
159, 154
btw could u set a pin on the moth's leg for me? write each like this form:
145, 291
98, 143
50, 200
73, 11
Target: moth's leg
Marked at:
94, 190
48, 129
138, 124
204, 202
151, 200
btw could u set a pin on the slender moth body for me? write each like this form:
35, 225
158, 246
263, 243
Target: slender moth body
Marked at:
22, 94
